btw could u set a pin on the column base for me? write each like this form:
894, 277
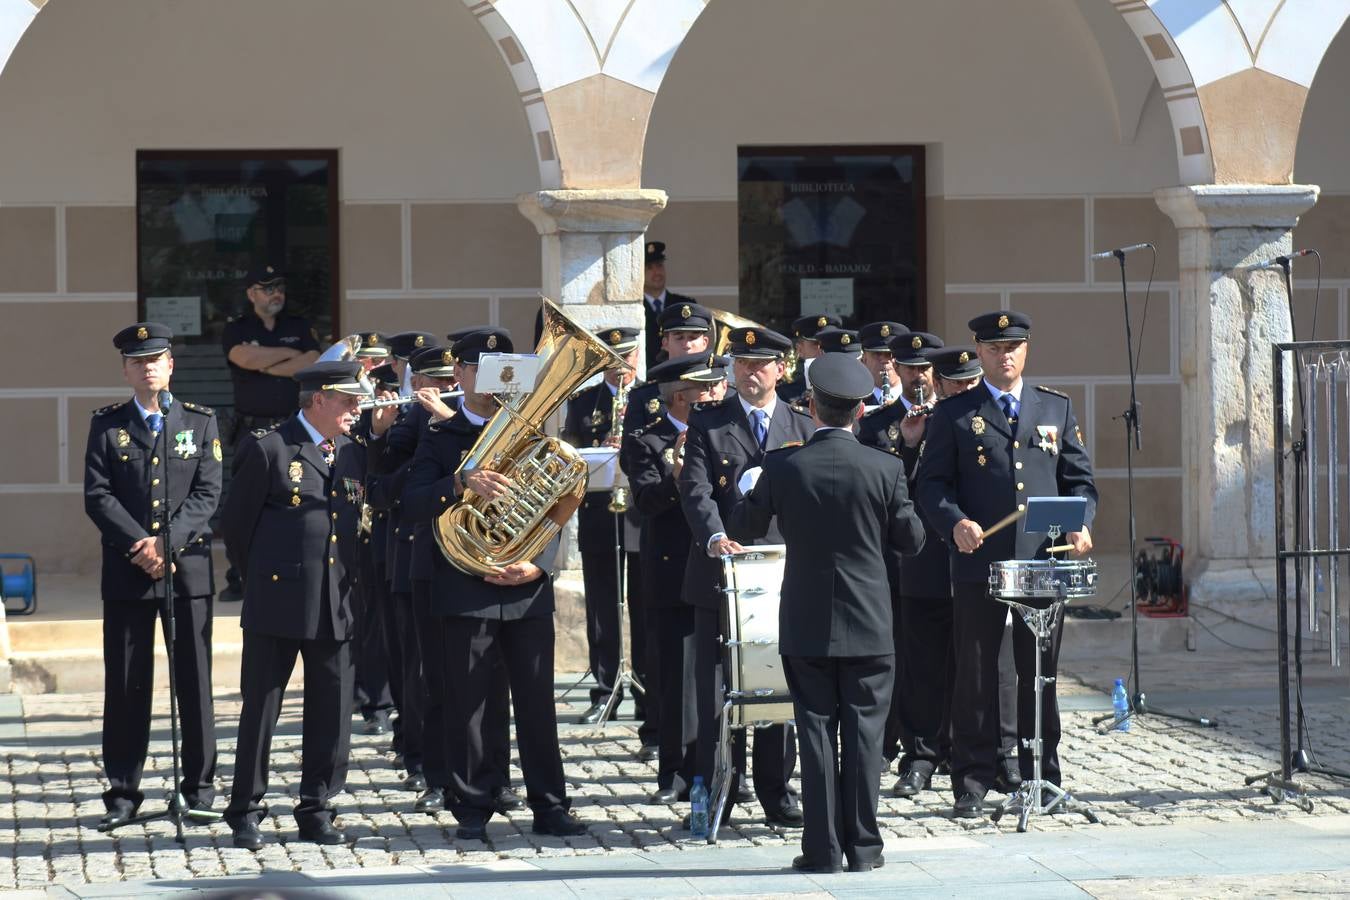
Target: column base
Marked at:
1236, 601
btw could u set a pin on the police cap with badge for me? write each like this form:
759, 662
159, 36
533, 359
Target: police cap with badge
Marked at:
876, 337
837, 340
656, 252
143, 339
806, 328
1001, 326
684, 317
384, 377
756, 342
704, 368
912, 349
373, 346
485, 340
406, 344
842, 378
339, 376
955, 363
434, 362
619, 338
265, 276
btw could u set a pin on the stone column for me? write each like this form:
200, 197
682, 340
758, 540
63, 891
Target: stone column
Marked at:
593, 262
1231, 316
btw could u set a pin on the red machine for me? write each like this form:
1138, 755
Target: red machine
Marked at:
1159, 587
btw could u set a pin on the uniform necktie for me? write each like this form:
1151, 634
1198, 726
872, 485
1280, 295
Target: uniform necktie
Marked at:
760, 426
155, 421
328, 449
1009, 409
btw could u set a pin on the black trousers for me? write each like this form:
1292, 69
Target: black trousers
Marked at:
370, 655
474, 649
897, 738
670, 638
841, 705
411, 695
925, 646
128, 688
600, 579
327, 724
646, 708
774, 755
978, 629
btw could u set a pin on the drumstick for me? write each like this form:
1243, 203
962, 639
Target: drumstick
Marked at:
1003, 522
1059, 549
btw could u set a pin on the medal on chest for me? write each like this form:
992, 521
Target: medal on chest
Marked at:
977, 425
123, 439
1049, 438
185, 443
295, 471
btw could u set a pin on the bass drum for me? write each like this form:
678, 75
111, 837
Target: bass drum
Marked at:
757, 689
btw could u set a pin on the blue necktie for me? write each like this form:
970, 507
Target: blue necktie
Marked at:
155, 421
760, 426
1009, 409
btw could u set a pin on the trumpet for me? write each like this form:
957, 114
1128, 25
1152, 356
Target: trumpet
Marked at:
401, 401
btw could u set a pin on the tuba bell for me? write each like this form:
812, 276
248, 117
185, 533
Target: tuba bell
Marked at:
477, 535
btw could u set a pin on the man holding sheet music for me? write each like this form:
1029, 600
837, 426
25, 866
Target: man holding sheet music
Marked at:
986, 452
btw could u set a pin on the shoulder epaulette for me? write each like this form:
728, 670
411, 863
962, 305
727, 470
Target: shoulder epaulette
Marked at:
104, 410
789, 445
358, 439
876, 409
231, 318
264, 432
1050, 390
709, 405
197, 407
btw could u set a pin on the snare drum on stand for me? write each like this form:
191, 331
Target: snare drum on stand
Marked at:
755, 693
1037, 589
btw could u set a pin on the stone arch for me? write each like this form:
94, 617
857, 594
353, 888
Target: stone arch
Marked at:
1226, 64
15, 17
587, 72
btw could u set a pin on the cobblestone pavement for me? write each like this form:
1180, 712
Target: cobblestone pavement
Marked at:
1158, 774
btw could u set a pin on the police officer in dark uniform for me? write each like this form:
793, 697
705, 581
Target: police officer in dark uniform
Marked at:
876, 338
133, 447
652, 464
686, 329
839, 506
508, 613
590, 423
655, 298
264, 346
290, 528
807, 348
985, 452
723, 440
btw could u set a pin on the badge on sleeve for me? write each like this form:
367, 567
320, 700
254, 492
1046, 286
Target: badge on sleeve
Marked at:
215, 449
1049, 438
1078, 433
977, 425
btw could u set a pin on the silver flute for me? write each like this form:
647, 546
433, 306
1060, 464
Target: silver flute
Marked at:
402, 401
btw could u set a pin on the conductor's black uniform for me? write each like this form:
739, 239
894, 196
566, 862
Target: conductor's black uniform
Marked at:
839, 506
123, 494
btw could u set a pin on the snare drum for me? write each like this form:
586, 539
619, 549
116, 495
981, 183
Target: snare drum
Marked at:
756, 684
1017, 579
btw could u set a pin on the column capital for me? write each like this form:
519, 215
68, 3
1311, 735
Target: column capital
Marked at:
1236, 205
599, 211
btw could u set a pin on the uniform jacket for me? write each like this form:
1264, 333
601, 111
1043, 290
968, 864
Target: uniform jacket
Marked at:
258, 393
388, 461
973, 466
839, 505
430, 491
927, 574
648, 459
297, 559
644, 407
587, 424
123, 494
719, 447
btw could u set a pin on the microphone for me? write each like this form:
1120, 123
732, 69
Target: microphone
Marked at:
1281, 261
1121, 251
165, 401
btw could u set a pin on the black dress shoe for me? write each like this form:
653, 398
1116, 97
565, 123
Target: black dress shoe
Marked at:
648, 752
786, 816
398, 761
231, 594
376, 725
557, 821
322, 832
911, 783
665, 795
248, 837
118, 815
802, 864
867, 866
970, 806
415, 782
744, 794
472, 831
505, 800
1009, 777
432, 801
592, 715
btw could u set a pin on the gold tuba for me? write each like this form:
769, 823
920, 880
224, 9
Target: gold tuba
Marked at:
477, 535
723, 323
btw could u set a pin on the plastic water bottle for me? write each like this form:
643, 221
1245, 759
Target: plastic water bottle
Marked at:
698, 809
1121, 703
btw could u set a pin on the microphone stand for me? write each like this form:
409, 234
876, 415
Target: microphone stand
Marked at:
177, 809
1139, 705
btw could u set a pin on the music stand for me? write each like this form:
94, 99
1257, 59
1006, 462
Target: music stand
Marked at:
1052, 516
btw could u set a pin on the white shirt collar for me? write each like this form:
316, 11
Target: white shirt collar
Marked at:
653, 301
679, 426
473, 417
996, 393
313, 435
145, 413
768, 410
848, 428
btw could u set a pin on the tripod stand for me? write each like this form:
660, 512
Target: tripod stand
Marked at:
177, 809
1139, 705
624, 676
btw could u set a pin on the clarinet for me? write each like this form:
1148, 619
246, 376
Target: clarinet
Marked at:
920, 408
618, 495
